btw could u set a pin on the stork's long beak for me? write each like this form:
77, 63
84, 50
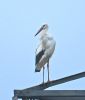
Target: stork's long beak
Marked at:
39, 31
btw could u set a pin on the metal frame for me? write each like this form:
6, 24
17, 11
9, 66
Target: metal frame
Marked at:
38, 92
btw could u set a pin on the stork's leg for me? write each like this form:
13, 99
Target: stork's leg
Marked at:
48, 70
43, 74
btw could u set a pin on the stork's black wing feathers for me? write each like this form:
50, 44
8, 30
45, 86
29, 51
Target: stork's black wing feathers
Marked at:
39, 56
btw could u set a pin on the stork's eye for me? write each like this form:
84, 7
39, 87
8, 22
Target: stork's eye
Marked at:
44, 26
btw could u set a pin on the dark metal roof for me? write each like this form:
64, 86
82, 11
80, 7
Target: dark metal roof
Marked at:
38, 92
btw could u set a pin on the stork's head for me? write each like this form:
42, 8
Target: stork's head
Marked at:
43, 29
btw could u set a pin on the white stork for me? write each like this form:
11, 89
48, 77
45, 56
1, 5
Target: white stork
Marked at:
44, 50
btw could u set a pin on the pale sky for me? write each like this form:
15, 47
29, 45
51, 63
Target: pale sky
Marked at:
19, 21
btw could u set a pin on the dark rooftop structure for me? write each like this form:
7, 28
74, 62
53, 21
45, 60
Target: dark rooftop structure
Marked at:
38, 92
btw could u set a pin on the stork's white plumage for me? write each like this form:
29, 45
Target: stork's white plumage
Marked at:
44, 50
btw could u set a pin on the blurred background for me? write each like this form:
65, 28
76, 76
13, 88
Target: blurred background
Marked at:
19, 21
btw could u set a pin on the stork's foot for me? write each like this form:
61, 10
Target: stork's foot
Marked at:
48, 81
43, 83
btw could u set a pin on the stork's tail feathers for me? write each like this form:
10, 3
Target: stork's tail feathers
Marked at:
36, 70
37, 59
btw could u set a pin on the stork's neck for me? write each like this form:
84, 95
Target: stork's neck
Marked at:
43, 33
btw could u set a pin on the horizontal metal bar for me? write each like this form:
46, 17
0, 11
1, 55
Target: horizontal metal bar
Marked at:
51, 93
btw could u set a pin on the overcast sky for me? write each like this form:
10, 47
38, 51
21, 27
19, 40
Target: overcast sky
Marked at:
19, 21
